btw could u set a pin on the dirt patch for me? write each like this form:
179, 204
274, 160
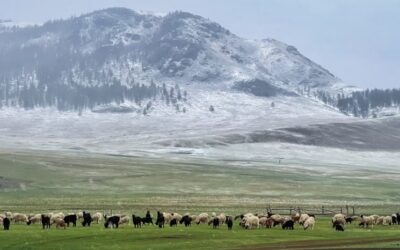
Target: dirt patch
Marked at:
323, 244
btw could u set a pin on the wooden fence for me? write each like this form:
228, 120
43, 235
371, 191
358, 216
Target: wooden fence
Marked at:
323, 210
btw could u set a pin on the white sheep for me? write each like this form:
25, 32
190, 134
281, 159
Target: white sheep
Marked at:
387, 220
17, 217
368, 221
59, 223
309, 223
277, 219
56, 216
167, 217
97, 217
251, 222
35, 219
303, 218
339, 219
79, 215
124, 220
202, 218
176, 216
296, 217
375, 216
266, 222
379, 221
222, 218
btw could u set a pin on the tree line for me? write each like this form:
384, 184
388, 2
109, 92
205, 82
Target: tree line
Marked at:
362, 103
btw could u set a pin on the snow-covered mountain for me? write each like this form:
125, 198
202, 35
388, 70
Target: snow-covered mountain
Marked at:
169, 83
61, 61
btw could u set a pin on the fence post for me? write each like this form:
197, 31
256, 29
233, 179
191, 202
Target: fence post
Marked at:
347, 210
323, 210
353, 211
341, 210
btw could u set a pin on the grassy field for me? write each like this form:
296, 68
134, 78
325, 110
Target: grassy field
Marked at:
196, 237
32, 181
43, 181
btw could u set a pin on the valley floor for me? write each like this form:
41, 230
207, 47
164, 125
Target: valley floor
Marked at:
199, 237
52, 180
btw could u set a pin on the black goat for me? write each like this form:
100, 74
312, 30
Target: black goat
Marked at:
6, 223
229, 222
71, 219
160, 219
137, 221
87, 219
45, 221
113, 220
288, 225
173, 223
186, 220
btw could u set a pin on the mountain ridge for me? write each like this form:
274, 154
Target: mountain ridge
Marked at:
122, 47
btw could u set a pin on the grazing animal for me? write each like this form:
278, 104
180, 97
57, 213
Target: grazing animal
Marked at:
309, 223
229, 222
160, 219
338, 219
17, 217
167, 217
147, 219
113, 220
71, 219
296, 217
123, 220
137, 221
215, 222
276, 218
173, 223
186, 220
6, 223
97, 217
339, 227
56, 216
349, 220
87, 219
176, 216
387, 220
288, 225
303, 218
45, 221
222, 218
60, 223
34, 219
368, 221
394, 219
202, 219
250, 222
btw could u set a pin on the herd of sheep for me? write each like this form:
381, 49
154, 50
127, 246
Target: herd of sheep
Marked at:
246, 221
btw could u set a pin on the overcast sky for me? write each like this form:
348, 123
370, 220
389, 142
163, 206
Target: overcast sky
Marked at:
357, 40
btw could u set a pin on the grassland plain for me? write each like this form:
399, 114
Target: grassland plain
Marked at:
197, 237
43, 181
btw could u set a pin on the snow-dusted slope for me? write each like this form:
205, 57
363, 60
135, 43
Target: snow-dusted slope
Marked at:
251, 85
179, 47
